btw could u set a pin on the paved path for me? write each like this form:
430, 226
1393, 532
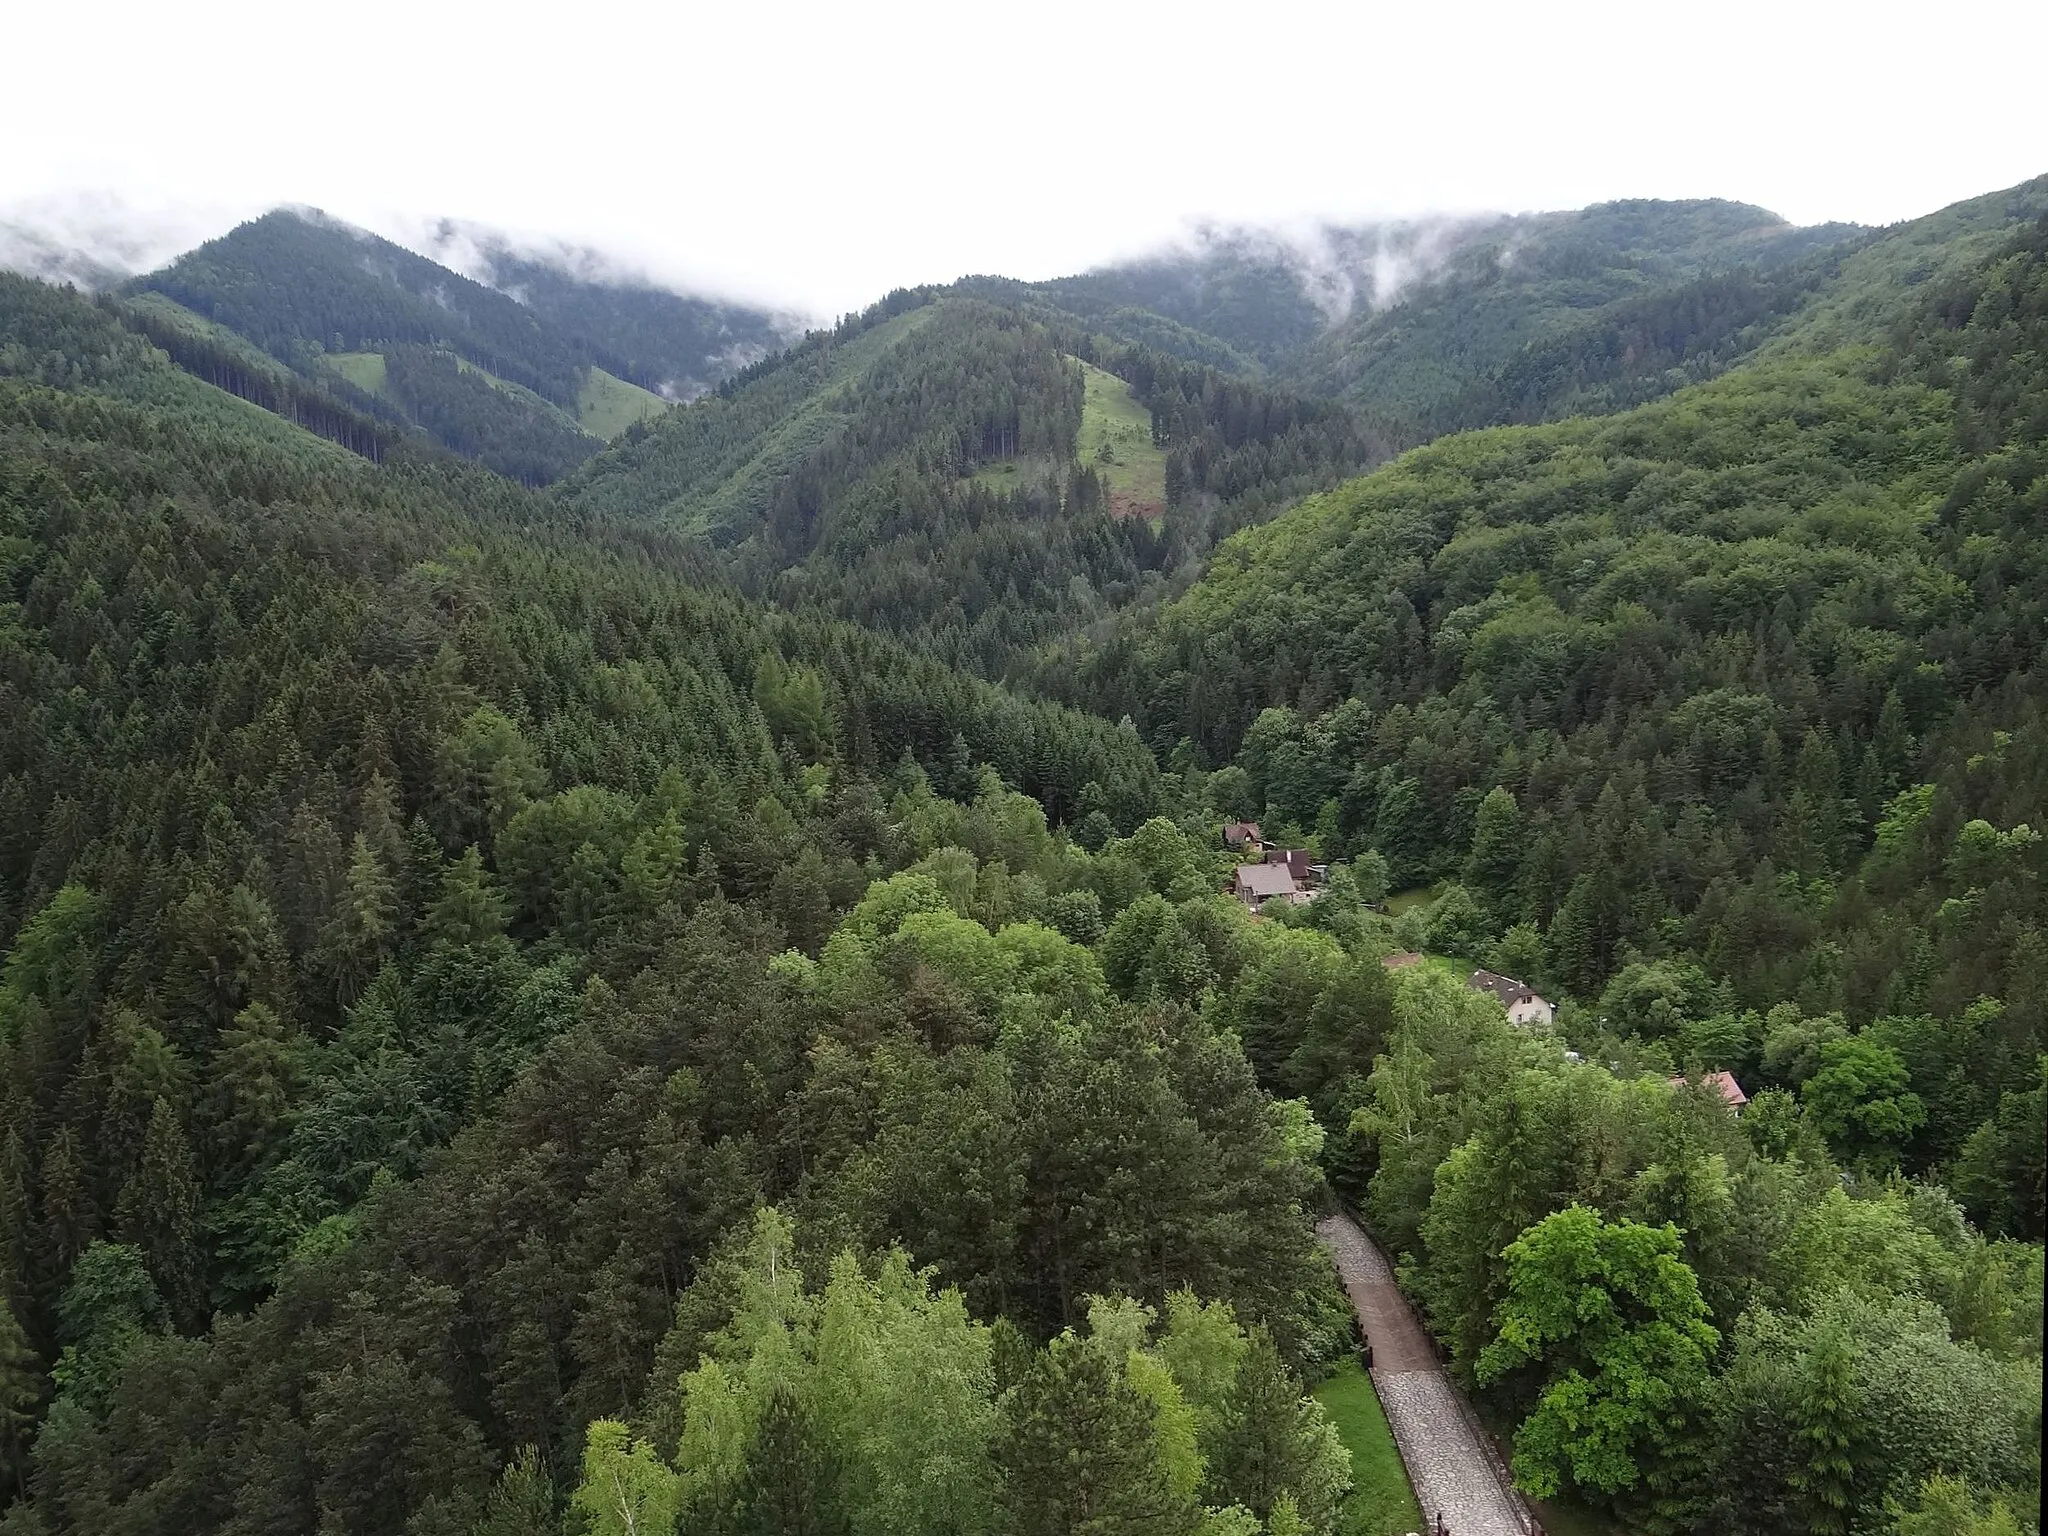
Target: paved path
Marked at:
1451, 1468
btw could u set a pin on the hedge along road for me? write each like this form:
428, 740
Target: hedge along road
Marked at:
1455, 1474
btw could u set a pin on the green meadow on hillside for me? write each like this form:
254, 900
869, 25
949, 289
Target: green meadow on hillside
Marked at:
365, 370
607, 405
1116, 442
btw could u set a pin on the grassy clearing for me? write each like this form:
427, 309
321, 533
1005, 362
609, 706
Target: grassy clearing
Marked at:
1417, 896
606, 405
1457, 967
1381, 1502
365, 370
1116, 441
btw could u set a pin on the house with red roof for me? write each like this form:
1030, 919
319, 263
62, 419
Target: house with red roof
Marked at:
1722, 1083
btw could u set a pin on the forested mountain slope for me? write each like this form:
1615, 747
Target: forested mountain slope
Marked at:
1282, 298
920, 468
1743, 686
503, 1032
1467, 316
528, 375
676, 345
1722, 721
1437, 326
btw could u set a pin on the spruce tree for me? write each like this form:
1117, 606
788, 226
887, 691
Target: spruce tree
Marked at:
468, 909
71, 1220
522, 1502
364, 926
21, 1389
17, 1224
1828, 1411
159, 1213
1495, 861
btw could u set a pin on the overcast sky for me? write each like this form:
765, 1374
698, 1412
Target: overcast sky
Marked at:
817, 155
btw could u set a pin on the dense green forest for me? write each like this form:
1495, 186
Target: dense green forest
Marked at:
1409, 317
299, 284
589, 1011
1434, 327
367, 834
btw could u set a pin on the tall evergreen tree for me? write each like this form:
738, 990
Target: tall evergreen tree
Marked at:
159, 1213
1494, 864
71, 1217
1080, 1453
522, 1502
1829, 1416
1272, 1445
789, 1484
22, 1386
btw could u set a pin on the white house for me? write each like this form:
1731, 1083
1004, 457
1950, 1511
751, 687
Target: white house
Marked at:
1522, 1002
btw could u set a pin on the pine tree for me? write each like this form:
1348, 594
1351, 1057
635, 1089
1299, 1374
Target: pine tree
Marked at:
1081, 1454
159, 1213
789, 1485
1272, 1444
522, 1503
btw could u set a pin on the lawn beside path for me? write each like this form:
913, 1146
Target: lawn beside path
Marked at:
1381, 1502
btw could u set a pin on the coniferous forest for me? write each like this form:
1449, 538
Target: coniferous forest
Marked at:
573, 976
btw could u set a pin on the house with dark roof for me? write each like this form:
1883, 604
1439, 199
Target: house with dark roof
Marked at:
1523, 1004
1297, 860
1257, 884
1237, 833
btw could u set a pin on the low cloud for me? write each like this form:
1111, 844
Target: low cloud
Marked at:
478, 251
1342, 267
97, 239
